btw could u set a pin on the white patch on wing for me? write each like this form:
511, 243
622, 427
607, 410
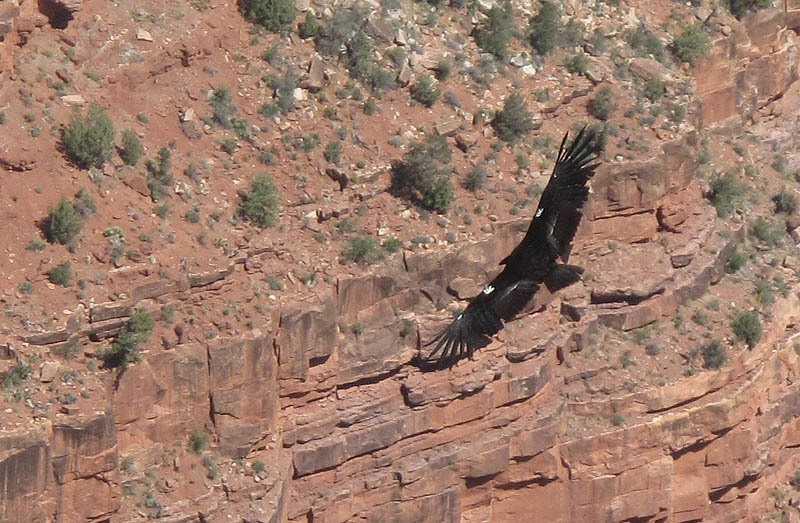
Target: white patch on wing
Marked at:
488, 289
459, 316
539, 212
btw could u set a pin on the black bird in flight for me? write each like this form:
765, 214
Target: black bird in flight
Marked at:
532, 262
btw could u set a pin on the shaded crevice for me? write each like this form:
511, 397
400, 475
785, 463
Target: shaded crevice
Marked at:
210, 394
643, 519
318, 360
211, 412
623, 214
515, 485
697, 446
478, 481
629, 297
716, 495
228, 414
370, 380
682, 403
58, 16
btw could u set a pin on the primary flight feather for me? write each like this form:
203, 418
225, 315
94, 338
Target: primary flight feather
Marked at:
533, 262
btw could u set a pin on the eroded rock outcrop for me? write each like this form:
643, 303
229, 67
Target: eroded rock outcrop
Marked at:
66, 471
749, 68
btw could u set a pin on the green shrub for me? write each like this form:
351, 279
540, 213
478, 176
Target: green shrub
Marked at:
451, 99
16, 375
494, 35
572, 34
229, 146
345, 226
151, 501
740, 8
333, 151
542, 95
514, 121
347, 30
626, 359
644, 42
275, 15
63, 224
426, 91
193, 216
747, 327
363, 250
392, 245
654, 89
439, 195
259, 468
310, 27
84, 205
198, 441
162, 210
675, 112
263, 202
243, 129
341, 28
735, 262
419, 177
601, 106
36, 246
132, 149
766, 232
785, 202
438, 148
700, 318
269, 110
159, 177
211, 468
577, 64
274, 283
713, 355
125, 347
370, 106
780, 163
475, 178
60, 275
543, 28
89, 140
765, 293
381, 80
442, 70
284, 91
692, 44
653, 349
222, 105
727, 194
397, 55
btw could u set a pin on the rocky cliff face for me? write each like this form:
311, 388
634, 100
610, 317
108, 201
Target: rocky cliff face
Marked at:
322, 393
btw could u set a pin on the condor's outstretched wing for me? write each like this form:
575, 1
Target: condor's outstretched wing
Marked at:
531, 263
558, 214
483, 318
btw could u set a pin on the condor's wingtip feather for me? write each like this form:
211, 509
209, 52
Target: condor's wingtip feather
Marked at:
452, 344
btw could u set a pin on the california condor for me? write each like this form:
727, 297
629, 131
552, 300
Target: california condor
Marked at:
532, 262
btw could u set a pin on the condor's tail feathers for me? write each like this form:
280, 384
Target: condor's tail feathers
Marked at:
562, 276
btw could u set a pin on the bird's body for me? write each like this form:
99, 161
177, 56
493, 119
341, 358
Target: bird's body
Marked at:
532, 263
